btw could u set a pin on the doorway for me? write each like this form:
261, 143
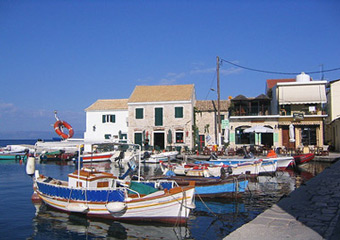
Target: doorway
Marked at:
158, 139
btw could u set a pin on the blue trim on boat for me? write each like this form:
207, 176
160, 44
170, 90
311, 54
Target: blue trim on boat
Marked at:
233, 187
81, 195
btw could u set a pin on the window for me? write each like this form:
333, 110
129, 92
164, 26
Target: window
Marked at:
179, 137
138, 138
139, 113
308, 135
178, 112
107, 136
108, 118
240, 137
158, 116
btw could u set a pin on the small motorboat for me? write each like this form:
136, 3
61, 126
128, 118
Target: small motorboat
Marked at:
303, 158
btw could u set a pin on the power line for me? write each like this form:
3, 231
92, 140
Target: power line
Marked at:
274, 72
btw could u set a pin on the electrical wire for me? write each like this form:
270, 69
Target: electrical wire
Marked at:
274, 72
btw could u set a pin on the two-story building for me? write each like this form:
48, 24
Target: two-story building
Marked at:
106, 119
290, 115
162, 116
206, 115
251, 122
300, 106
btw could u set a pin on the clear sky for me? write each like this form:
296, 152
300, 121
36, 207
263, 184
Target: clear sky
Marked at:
64, 55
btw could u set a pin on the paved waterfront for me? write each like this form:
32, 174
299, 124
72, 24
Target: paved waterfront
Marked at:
310, 212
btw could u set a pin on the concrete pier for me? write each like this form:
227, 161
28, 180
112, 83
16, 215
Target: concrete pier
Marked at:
310, 212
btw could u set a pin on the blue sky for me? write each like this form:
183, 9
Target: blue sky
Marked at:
64, 55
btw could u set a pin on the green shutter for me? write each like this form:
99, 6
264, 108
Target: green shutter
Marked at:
178, 112
112, 118
139, 113
138, 138
158, 116
104, 118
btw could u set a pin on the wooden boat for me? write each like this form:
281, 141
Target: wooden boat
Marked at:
99, 194
163, 156
303, 158
97, 156
250, 167
102, 195
58, 155
14, 152
191, 170
207, 187
271, 163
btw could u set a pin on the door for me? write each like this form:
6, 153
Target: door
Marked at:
285, 138
201, 143
138, 138
158, 139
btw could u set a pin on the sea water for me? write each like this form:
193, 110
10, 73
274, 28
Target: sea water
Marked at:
212, 219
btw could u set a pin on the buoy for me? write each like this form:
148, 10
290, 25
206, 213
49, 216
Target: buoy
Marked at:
77, 207
30, 166
58, 129
115, 207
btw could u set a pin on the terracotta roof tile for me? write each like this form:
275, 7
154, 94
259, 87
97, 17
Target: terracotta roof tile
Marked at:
161, 93
272, 82
211, 105
109, 104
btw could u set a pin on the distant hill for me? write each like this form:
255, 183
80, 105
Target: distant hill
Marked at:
33, 135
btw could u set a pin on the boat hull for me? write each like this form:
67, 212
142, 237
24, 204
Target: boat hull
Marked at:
168, 206
213, 187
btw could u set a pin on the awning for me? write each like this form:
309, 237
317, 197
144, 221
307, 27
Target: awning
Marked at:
258, 129
298, 94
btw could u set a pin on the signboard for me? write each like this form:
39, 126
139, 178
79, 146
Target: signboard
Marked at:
225, 123
298, 116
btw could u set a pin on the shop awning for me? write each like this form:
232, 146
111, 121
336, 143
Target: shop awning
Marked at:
298, 94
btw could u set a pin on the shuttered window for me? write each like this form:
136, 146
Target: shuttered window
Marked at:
178, 112
138, 138
109, 118
158, 116
139, 113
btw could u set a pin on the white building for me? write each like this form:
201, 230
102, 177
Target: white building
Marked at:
332, 136
106, 119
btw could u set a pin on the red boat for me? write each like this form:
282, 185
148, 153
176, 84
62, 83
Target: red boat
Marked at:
303, 158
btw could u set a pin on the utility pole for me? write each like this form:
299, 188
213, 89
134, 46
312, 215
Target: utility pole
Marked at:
218, 99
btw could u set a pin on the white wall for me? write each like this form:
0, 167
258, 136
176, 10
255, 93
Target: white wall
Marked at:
94, 118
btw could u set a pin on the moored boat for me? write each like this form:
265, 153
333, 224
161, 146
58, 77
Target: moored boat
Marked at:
102, 195
303, 158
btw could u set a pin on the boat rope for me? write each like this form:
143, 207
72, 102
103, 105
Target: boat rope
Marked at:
199, 196
180, 209
69, 198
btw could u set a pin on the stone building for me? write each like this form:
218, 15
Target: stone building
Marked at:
162, 116
206, 121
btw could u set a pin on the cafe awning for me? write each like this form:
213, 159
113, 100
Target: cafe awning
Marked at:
302, 94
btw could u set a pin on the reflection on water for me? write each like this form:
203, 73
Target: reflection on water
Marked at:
48, 223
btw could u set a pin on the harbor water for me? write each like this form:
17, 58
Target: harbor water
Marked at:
212, 219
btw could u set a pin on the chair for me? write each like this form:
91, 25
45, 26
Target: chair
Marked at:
325, 150
299, 149
311, 148
231, 151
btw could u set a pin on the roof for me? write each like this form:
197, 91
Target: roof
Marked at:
272, 82
162, 93
239, 98
211, 105
262, 97
109, 104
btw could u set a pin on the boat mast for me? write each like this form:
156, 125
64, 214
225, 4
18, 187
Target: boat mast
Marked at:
218, 100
